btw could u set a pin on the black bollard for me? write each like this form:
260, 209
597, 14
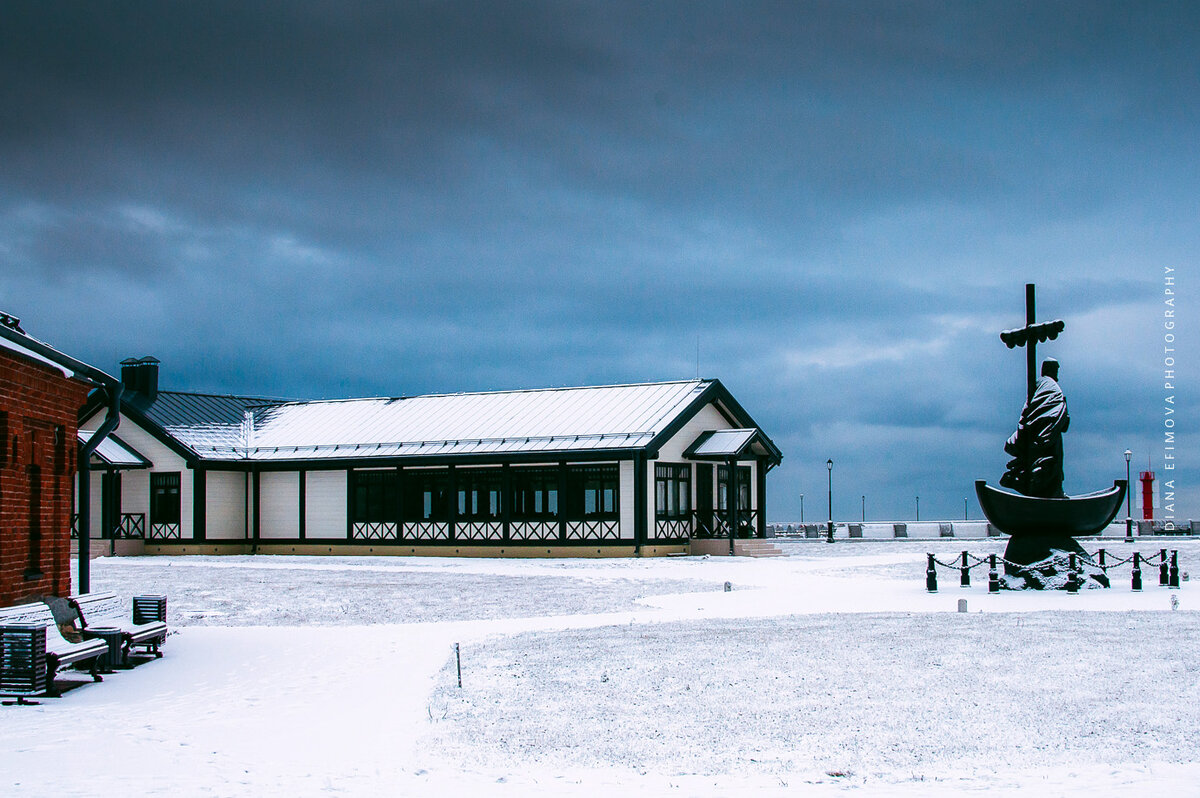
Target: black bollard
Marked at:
1162, 568
1137, 572
931, 575
966, 572
1102, 565
993, 576
1072, 574
1174, 580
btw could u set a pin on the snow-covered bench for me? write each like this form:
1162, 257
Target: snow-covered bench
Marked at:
147, 626
59, 651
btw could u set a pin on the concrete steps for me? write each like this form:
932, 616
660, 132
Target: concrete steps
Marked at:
756, 548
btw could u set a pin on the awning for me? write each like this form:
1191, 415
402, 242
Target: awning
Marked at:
115, 453
739, 444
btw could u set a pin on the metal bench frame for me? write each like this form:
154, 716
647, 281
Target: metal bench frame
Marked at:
60, 652
145, 626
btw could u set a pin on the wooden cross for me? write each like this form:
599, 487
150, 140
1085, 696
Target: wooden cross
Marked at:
1029, 336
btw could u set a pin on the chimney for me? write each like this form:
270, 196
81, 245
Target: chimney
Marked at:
140, 375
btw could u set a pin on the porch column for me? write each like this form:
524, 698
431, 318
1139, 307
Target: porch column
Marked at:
760, 489
732, 493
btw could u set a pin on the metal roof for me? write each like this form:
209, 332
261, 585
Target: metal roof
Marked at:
725, 443
114, 452
546, 420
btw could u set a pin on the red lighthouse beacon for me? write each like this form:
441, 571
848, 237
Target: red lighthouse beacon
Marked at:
1147, 480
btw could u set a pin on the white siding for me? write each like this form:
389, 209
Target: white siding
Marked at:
279, 505
626, 500
226, 505
707, 418
135, 485
325, 497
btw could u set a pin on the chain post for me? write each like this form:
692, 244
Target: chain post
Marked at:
931, 575
1102, 565
1163, 579
1137, 572
966, 572
1072, 573
993, 576
1173, 582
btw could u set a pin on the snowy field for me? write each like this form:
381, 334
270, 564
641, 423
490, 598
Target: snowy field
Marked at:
827, 672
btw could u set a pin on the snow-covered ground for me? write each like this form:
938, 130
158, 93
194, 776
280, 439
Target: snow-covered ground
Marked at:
829, 671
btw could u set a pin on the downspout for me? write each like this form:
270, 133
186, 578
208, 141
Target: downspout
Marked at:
111, 419
112, 388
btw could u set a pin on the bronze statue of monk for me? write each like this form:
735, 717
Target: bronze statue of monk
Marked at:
1036, 447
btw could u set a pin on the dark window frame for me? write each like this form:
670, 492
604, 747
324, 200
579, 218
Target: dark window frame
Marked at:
426, 495
374, 496
480, 494
593, 493
166, 489
744, 483
534, 494
672, 491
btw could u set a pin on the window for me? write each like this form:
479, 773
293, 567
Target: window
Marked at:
478, 494
374, 497
592, 492
534, 493
743, 473
672, 491
164, 498
426, 495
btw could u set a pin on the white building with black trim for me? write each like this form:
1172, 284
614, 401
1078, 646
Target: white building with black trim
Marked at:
604, 470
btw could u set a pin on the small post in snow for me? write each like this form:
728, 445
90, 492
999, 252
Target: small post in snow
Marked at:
1163, 579
1072, 573
993, 576
1137, 572
965, 581
931, 575
458, 664
1173, 582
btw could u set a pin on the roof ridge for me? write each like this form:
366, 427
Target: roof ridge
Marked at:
495, 392
243, 397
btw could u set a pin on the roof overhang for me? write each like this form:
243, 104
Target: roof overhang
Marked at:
115, 453
733, 444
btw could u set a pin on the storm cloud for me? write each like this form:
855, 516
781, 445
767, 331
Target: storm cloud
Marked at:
830, 206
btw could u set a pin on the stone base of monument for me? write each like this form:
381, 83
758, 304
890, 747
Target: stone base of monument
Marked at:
1042, 563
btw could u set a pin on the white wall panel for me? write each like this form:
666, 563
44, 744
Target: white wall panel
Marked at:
325, 515
626, 500
226, 492
279, 503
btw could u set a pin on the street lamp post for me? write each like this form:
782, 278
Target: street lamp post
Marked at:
864, 509
918, 508
966, 515
802, 508
829, 465
1128, 516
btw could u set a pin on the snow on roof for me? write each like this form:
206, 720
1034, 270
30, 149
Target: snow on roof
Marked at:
551, 420
723, 442
29, 353
115, 452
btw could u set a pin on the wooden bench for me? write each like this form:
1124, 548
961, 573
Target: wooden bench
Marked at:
60, 652
146, 626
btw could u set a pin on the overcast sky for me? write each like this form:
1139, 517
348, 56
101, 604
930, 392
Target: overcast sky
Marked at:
832, 207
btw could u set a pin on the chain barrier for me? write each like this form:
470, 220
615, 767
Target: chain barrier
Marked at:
1167, 564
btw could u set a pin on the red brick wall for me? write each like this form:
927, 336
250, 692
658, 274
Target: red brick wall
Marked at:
38, 407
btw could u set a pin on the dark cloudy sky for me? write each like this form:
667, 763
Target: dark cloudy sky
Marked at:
836, 204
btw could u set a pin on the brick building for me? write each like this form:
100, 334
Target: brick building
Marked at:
41, 393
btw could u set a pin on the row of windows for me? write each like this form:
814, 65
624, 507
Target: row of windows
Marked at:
588, 493
591, 493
